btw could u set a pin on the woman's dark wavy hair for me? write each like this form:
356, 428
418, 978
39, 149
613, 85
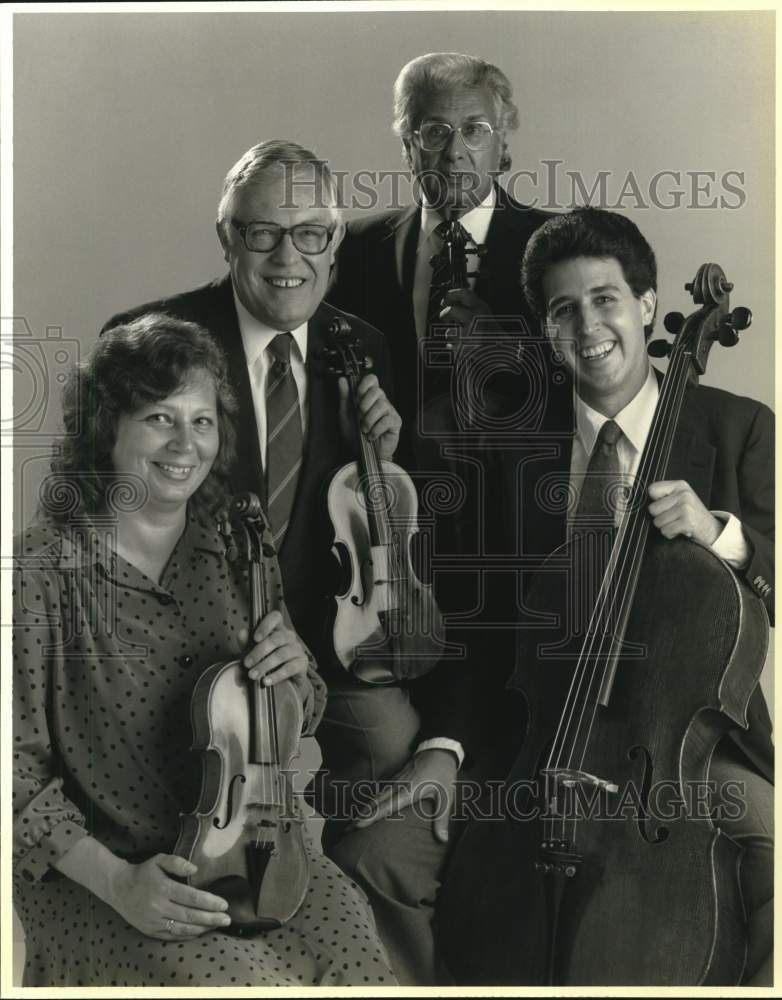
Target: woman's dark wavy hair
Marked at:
132, 365
588, 232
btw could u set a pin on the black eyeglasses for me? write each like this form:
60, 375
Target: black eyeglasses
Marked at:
262, 237
434, 136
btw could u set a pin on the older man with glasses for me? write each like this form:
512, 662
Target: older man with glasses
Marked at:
279, 227
471, 378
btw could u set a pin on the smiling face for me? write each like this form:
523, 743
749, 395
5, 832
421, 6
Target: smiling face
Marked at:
456, 178
598, 323
172, 444
284, 287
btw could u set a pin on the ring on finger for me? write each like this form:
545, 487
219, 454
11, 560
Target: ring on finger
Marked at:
170, 925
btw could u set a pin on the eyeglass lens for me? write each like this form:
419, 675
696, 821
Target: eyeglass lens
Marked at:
307, 238
436, 135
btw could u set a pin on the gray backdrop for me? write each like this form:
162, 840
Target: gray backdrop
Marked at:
125, 124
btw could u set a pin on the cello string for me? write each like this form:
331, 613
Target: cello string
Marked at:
635, 525
652, 467
617, 578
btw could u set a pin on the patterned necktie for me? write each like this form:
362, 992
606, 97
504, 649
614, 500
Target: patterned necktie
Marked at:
283, 437
441, 275
601, 490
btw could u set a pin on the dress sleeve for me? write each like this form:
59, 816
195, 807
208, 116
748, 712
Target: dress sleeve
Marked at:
46, 824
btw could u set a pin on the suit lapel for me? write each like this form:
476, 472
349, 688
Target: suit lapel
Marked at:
248, 470
499, 278
692, 459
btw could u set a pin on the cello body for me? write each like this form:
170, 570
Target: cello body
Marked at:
601, 863
651, 895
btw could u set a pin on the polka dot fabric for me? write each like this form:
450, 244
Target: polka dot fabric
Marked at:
104, 664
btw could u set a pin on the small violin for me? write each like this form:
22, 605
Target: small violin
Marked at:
246, 834
387, 624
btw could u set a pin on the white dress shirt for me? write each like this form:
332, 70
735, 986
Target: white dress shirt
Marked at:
256, 338
634, 421
476, 222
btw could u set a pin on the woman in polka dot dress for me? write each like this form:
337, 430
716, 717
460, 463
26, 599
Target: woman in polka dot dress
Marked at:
122, 597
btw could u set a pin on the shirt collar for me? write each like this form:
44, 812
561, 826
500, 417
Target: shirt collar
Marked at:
256, 336
476, 221
634, 420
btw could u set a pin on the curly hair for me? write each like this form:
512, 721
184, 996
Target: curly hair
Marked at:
588, 232
436, 72
130, 366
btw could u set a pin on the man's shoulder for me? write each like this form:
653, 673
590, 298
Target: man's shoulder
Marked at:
378, 225
518, 214
728, 413
195, 305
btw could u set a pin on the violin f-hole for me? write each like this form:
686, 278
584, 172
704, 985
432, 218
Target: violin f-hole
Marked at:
231, 792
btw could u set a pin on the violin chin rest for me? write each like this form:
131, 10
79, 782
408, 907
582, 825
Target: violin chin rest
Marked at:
237, 892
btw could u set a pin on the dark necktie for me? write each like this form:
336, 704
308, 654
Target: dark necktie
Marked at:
602, 487
283, 437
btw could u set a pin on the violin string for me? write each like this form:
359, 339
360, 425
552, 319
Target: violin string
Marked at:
634, 523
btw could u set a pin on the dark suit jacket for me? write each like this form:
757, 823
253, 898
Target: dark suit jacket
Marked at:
374, 279
724, 448
307, 568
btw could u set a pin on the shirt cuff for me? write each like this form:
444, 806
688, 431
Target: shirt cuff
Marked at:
443, 743
730, 544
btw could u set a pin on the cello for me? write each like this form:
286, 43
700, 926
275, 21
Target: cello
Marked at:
246, 834
387, 625
599, 862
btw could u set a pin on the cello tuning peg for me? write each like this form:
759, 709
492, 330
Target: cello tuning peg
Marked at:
673, 322
659, 349
740, 318
727, 335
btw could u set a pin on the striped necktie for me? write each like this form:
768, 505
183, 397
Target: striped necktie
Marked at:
283, 437
441, 275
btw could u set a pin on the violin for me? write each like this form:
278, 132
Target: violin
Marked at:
603, 865
246, 834
387, 624
452, 258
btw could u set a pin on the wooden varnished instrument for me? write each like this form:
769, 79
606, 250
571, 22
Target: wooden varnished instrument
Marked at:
247, 833
603, 865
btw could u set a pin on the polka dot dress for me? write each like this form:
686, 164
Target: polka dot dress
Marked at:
105, 661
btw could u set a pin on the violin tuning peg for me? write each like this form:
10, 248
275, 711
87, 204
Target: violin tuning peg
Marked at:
659, 349
740, 318
673, 322
727, 335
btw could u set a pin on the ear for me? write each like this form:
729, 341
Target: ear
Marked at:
406, 154
221, 235
648, 300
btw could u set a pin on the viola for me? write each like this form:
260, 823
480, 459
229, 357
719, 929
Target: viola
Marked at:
246, 834
603, 865
387, 624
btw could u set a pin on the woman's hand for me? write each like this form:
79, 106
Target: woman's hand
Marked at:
161, 907
278, 652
